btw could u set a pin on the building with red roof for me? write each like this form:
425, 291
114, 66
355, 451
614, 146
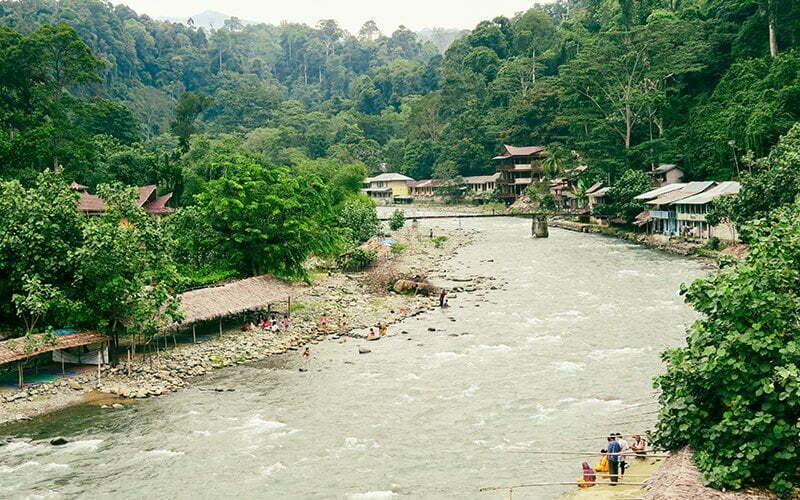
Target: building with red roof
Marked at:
519, 167
152, 204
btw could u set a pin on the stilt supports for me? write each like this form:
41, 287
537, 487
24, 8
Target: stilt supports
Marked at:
539, 226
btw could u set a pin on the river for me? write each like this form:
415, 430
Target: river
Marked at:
554, 355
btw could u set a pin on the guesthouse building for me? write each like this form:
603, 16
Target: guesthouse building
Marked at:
519, 167
389, 188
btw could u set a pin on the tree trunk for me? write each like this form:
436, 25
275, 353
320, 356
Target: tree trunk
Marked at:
628, 126
773, 31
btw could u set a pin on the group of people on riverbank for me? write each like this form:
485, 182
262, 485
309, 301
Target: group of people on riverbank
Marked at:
267, 323
613, 459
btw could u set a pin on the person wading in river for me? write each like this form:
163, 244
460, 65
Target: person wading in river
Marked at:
613, 459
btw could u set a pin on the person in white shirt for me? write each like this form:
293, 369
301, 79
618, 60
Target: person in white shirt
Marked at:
623, 446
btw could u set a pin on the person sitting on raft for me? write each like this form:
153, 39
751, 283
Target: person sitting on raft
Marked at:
372, 335
639, 446
602, 465
589, 477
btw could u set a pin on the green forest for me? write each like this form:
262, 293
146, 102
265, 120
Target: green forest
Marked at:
614, 84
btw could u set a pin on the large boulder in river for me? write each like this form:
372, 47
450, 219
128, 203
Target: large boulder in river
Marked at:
58, 441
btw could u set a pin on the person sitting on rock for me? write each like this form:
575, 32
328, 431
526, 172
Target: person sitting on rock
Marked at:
371, 335
324, 321
383, 329
639, 446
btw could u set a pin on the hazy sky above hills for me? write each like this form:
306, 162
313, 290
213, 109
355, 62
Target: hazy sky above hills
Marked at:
351, 14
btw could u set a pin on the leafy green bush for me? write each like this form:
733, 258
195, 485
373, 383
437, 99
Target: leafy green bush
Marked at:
357, 259
713, 243
359, 220
398, 220
438, 241
733, 394
205, 276
398, 248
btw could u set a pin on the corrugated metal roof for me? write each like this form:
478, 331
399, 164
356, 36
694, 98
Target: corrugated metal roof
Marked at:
688, 190
390, 177
159, 205
663, 168
481, 179
655, 193
726, 188
522, 150
594, 187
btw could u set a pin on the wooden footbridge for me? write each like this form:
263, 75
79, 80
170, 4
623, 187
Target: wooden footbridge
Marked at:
479, 215
538, 219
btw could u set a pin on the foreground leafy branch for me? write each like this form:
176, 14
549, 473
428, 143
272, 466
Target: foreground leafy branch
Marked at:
733, 394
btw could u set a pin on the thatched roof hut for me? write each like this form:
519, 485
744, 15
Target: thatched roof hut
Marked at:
241, 296
14, 349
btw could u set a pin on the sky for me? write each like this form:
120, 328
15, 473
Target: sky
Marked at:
350, 14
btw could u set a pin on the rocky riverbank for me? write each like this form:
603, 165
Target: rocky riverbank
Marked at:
678, 246
361, 300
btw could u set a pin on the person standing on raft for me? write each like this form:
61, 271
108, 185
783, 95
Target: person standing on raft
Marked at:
614, 448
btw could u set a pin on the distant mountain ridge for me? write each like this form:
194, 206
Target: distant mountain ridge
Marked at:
210, 19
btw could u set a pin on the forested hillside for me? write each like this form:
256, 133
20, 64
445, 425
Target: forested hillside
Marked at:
615, 84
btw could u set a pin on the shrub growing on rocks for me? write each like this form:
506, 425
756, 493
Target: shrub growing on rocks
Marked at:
398, 220
733, 394
357, 259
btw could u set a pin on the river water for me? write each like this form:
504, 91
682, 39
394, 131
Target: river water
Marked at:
555, 355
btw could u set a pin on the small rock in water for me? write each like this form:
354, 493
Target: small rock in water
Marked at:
117, 406
105, 406
452, 335
302, 370
58, 441
431, 329
364, 350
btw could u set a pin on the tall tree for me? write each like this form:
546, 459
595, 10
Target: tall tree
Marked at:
189, 108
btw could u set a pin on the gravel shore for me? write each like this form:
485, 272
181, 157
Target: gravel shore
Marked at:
363, 299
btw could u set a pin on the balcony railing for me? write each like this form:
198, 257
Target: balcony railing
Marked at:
662, 214
692, 217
